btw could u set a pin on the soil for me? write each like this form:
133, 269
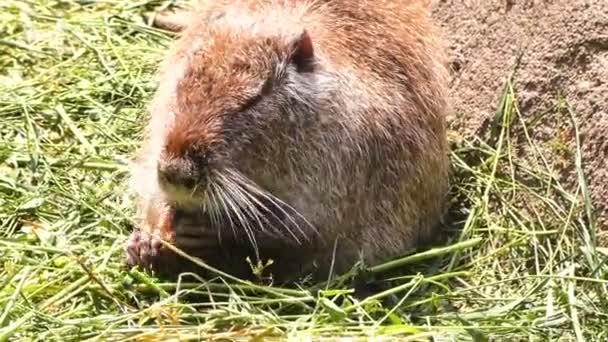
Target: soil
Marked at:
564, 49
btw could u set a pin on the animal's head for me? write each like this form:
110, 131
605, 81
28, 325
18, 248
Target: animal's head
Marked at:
231, 101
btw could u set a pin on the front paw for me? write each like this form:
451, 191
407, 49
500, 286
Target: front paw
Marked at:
188, 234
144, 250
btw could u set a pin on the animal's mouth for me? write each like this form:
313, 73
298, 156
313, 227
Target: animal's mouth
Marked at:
190, 199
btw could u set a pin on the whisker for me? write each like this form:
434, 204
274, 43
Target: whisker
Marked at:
289, 230
270, 196
243, 197
228, 197
194, 190
271, 199
212, 211
249, 198
221, 198
265, 195
274, 200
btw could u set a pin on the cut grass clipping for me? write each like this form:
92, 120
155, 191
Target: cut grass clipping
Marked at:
74, 81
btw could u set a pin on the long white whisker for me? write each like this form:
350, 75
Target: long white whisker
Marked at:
237, 191
245, 197
271, 199
250, 198
263, 194
212, 211
270, 196
289, 230
228, 197
221, 198
274, 200
194, 190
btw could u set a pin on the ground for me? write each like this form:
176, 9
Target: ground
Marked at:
527, 198
563, 46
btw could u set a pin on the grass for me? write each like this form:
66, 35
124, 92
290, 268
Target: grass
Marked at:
75, 77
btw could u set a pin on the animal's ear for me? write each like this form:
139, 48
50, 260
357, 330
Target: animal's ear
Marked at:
303, 52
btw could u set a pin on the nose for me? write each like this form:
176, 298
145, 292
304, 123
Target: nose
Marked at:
178, 172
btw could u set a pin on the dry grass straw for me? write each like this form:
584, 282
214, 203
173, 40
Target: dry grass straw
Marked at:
74, 80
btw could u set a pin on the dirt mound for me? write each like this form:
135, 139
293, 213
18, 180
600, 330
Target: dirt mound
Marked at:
565, 51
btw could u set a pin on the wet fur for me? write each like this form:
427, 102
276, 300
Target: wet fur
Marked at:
355, 150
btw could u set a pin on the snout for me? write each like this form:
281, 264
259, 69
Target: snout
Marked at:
180, 173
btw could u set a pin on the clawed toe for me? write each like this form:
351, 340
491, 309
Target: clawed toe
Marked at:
143, 250
133, 249
188, 233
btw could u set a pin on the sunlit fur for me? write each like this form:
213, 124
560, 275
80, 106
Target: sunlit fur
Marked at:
353, 152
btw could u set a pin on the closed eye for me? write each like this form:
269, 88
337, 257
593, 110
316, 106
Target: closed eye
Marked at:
252, 102
265, 90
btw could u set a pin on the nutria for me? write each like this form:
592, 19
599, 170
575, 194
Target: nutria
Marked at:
311, 133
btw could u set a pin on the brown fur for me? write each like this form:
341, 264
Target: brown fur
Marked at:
350, 144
